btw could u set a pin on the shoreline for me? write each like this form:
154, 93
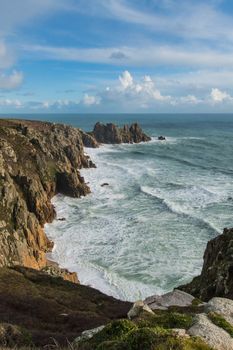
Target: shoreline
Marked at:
97, 278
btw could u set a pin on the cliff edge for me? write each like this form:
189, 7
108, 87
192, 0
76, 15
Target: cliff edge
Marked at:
37, 160
216, 279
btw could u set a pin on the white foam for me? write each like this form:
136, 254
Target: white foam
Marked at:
125, 243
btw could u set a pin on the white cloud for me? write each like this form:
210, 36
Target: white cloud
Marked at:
15, 14
89, 100
219, 96
10, 103
12, 81
144, 89
172, 55
126, 80
183, 18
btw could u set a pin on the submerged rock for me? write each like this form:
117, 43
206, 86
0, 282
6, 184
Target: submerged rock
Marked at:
161, 138
104, 184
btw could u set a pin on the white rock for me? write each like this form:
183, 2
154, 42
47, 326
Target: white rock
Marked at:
88, 334
221, 306
180, 332
213, 335
174, 298
137, 309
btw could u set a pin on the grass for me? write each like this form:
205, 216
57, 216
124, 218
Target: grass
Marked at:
166, 319
128, 335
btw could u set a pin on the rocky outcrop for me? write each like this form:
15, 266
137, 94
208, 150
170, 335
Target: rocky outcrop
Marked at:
111, 134
37, 160
174, 298
216, 279
216, 337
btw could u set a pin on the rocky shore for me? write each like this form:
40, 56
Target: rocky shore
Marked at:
40, 302
37, 161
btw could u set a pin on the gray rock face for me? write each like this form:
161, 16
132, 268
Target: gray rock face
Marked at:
174, 298
221, 306
88, 334
137, 309
214, 336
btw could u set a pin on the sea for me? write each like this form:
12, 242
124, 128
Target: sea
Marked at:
146, 232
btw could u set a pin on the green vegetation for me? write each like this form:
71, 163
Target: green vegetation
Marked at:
196, 302
166, 319
129, 335
220, 321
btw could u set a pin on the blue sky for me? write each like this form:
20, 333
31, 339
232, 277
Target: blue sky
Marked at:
116, 56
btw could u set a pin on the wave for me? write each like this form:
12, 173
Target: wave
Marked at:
178, 209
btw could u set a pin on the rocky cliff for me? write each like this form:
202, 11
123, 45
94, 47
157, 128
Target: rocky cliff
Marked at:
216, 278
37, 160
112, 134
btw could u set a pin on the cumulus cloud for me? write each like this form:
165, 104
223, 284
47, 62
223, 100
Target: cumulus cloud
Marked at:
219, 96
89, 100
144, 89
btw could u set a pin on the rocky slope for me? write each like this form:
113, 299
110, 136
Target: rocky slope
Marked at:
37, 160
38, 308
112, 134
216, 278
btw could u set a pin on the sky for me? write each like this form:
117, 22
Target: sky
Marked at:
116, 56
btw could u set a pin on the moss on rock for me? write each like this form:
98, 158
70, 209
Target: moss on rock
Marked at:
166, 319
220, 321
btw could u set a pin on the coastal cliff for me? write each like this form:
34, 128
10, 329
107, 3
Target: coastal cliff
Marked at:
37, 160
216, 279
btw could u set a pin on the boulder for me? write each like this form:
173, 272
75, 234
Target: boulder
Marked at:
161, 138
174, 298
221, 306
213, 335
88, 334
137, 309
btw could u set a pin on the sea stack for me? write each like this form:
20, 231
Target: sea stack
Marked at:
112, 134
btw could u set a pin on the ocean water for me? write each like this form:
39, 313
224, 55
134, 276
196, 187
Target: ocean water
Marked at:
146, 232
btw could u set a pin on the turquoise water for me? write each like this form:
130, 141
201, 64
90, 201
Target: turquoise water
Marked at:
146, 232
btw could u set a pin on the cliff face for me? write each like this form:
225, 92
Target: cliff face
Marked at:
112, 134
37, 160
216, 279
